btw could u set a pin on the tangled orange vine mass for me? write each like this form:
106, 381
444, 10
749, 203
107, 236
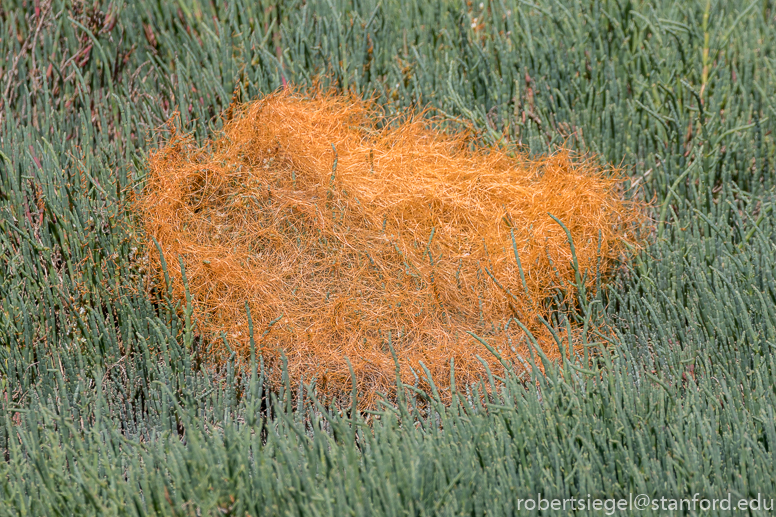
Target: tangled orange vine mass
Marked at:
341, 228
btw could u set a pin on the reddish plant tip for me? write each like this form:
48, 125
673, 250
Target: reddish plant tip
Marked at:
352, 228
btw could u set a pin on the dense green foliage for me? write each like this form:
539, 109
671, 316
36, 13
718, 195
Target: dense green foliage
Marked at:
104, 405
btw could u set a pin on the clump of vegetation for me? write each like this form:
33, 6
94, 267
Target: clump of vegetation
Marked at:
347, 233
